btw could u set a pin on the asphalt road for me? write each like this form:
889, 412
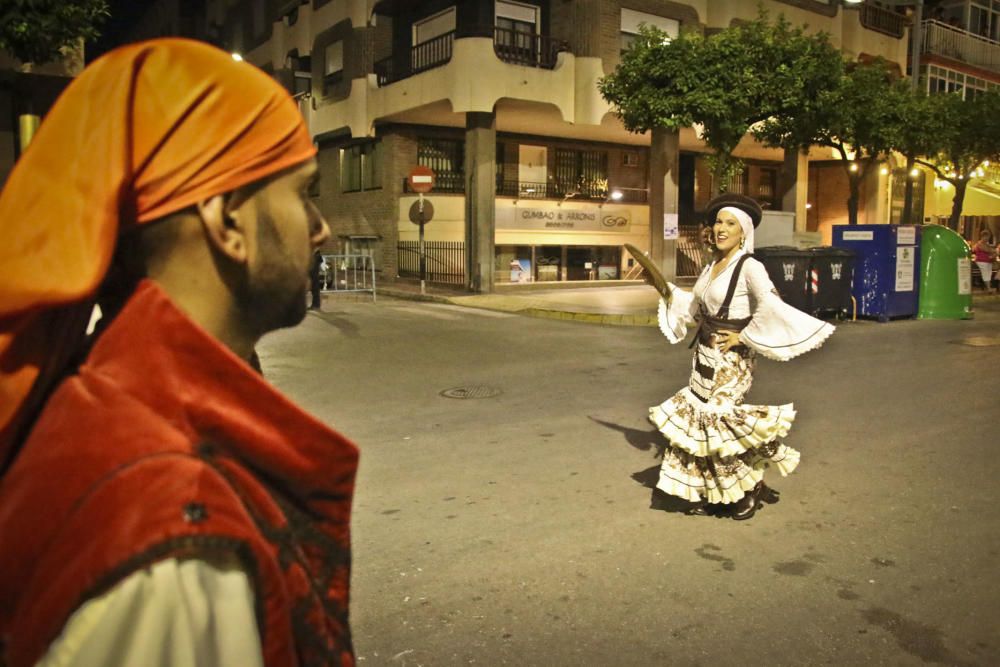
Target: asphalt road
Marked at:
518, 529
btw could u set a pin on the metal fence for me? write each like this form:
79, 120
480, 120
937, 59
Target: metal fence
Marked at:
348, 273
690, 259
445, 261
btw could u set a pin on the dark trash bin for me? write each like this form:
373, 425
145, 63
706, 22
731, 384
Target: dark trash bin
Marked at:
788, 269
832, 275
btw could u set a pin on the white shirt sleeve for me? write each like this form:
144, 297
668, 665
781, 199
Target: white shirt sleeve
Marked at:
176, 613
678, 314
777, 330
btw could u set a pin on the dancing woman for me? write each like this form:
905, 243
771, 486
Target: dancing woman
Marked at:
720, 446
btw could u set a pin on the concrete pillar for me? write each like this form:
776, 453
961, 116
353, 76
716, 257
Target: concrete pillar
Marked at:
664, 167
480, 199
793, 184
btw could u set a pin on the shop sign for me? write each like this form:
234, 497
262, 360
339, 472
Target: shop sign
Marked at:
560, 219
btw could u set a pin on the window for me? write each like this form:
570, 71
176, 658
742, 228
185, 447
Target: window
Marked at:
630, 159
447, 158
942, 80
631, 20
361, 167
581, 172
333, 63
516, 27
439, 24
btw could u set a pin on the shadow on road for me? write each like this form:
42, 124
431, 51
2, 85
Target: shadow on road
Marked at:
646, 441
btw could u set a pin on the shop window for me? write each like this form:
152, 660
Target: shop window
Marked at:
361, 167
631, 20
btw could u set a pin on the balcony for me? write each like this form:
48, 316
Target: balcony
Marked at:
951, 42
427, 55
516, 48
528, 49
882, 20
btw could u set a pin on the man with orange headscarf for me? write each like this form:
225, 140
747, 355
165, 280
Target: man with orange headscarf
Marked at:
160, 503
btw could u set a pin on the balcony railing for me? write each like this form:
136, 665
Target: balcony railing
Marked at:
529, 49
528, 190
951, 42
510, 46
424, 56
882, 20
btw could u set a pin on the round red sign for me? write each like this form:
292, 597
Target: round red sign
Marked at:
421, 179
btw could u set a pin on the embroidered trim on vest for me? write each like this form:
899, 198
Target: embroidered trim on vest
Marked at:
292, 543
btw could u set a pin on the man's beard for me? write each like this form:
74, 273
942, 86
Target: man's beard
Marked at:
273, 296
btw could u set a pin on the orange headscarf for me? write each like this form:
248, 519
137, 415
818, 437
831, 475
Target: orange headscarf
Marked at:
145, 131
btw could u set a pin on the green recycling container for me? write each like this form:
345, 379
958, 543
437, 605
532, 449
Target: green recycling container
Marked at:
945, 275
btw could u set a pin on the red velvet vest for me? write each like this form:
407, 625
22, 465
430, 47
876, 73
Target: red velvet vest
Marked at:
165, 444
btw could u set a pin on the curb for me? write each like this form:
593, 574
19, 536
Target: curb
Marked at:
638, 320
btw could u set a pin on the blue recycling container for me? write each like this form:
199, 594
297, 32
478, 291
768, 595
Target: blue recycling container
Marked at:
887, 270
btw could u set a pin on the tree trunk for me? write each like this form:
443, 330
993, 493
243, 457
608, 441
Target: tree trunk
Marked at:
852, 201
721, 161
956, 203
908, 193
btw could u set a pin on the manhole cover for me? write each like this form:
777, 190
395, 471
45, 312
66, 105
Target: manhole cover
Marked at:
478, 391
981, 341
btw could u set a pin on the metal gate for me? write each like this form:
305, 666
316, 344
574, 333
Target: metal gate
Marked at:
348, 273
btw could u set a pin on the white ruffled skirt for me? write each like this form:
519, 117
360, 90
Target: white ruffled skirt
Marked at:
719, 446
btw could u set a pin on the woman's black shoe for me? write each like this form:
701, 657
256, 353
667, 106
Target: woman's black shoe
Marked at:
748, 504
698, 509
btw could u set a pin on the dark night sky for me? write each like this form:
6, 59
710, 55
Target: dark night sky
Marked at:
124, 13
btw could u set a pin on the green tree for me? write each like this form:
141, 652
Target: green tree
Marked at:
921, 132
726, 82
860, 117
35, 31
968, 134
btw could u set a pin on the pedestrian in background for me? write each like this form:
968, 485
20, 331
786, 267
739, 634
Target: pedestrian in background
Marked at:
985, 253
160, 503
719, 446
316, 279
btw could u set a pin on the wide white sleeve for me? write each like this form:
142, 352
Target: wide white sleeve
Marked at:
176, 613
678, 314
777, 330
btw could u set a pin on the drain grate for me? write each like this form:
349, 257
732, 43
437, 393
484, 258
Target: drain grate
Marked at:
477, 391
981, 341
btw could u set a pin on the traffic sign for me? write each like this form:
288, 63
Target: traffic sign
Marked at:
421, 179
419, 217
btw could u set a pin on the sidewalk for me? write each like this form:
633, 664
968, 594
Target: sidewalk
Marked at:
631, 304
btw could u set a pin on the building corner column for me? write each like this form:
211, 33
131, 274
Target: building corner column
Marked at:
664, 167
480, 199
794, 185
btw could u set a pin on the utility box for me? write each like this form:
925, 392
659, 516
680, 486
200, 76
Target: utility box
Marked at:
945, 275
886, 277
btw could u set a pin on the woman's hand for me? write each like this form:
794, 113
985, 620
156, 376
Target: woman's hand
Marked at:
727, 340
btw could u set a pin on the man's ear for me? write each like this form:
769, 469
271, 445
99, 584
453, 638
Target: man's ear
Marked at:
223, 230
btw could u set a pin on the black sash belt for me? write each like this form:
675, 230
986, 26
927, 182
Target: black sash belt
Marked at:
708, 325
